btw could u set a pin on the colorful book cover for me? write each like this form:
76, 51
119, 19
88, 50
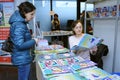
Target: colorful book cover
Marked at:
104, 12
44, 48
97, 12
93, 73
89, 41
43, 43
110, 11
59, 62
83, 65
67, 76
112, 77
47, 56
8, 9
114, 10
55, 70
65, 55
1, 15
52, 63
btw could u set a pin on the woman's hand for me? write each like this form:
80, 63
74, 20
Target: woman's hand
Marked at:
36, 40
93, 50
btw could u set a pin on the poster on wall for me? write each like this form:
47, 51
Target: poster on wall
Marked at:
8, 9
6, 0
1, 15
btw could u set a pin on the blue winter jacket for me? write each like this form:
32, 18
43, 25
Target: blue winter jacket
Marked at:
22, 40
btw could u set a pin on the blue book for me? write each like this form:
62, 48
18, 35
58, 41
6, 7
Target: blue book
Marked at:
87, 42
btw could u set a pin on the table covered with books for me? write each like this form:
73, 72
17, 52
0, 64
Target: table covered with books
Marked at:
55, 62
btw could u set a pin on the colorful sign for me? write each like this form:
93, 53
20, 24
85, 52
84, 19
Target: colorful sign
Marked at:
8, 9
6, 0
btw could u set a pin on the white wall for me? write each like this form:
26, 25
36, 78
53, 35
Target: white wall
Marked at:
117, 55
106, 30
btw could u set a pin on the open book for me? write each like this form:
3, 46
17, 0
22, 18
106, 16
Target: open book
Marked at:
87, 42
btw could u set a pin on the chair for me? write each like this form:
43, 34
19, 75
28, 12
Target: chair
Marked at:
69, 23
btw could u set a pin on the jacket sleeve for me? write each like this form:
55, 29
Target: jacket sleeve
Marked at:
19, 38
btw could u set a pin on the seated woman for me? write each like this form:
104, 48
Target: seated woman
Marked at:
55, 27
55, 23
77, 28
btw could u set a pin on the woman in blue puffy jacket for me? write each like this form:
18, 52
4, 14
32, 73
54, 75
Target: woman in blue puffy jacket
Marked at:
21, 38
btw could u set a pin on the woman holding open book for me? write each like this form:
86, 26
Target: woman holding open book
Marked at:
74, 41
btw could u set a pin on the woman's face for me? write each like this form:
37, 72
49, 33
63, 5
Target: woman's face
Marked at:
29, 16
55, 17
78, 28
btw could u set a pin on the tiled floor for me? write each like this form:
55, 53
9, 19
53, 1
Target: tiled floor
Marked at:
10, 72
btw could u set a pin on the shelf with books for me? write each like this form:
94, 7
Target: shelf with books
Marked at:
103, 11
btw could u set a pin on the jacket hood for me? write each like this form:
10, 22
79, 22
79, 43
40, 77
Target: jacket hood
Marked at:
16, 17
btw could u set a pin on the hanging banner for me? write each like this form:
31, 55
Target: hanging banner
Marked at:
6, 0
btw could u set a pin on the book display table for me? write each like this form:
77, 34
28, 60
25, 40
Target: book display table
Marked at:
66, 65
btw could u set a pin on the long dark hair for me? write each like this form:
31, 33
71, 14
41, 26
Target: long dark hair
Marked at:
26, 7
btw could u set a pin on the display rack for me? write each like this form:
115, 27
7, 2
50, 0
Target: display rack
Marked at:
105, 25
